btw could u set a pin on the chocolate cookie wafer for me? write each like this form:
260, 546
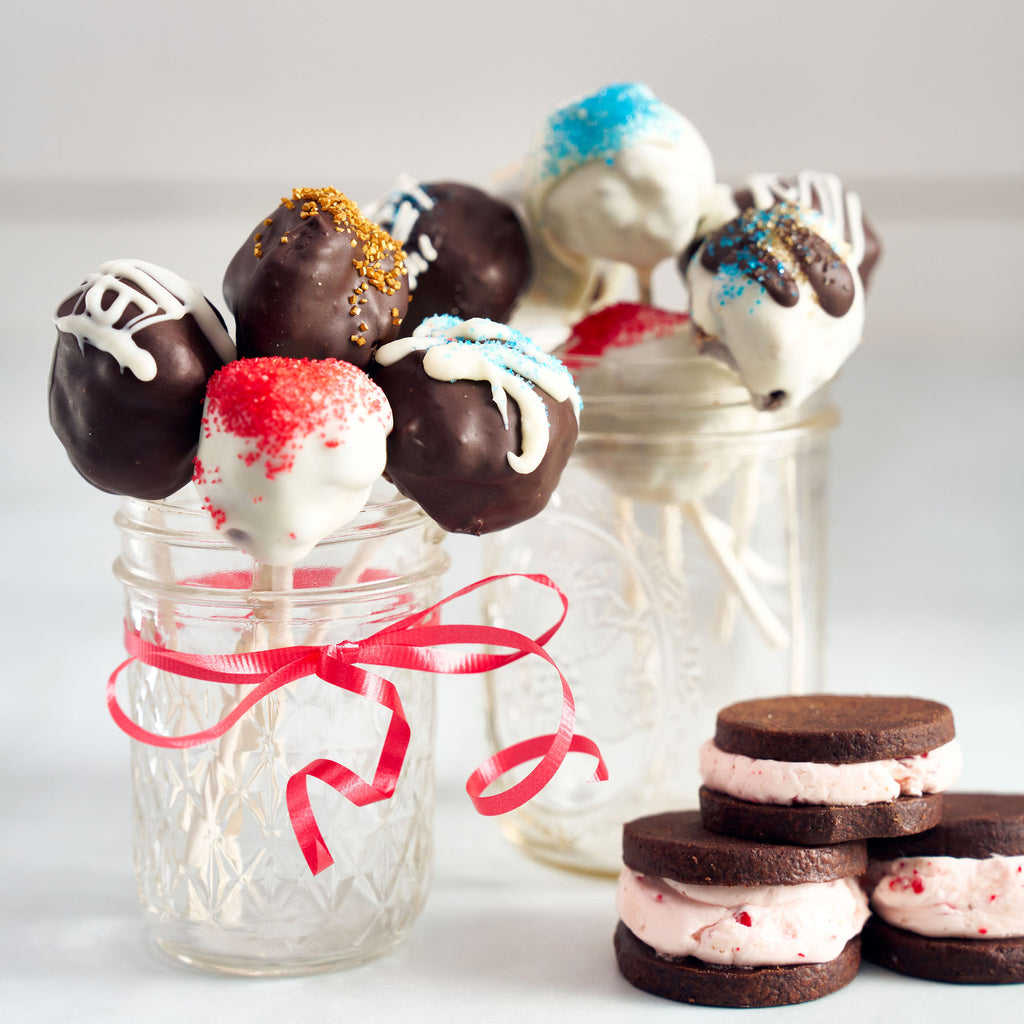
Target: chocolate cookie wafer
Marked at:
828, 768
949, 903
720, 921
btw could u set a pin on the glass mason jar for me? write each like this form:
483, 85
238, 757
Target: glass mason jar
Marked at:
220, 874
688, 532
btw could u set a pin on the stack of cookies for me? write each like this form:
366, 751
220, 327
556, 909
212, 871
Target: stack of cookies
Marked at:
759, 898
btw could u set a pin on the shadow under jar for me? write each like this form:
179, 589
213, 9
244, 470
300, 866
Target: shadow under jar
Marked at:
688, 532
220, 874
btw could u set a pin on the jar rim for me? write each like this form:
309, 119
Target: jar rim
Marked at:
785, 429
193, 527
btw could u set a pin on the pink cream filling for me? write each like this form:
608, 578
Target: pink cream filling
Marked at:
849, 785
749, 926
952, 897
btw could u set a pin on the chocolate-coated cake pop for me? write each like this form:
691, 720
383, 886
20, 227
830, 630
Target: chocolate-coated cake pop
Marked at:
466, 251
136, 345
317, 280
474, 460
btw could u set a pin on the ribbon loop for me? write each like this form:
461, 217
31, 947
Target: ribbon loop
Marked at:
410, 643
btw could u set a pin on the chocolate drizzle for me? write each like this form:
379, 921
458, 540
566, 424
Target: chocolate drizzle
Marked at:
754, 246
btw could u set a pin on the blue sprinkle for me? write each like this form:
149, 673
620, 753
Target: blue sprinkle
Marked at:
599, 126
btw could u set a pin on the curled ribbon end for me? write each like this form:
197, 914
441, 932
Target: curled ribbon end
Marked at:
512, 757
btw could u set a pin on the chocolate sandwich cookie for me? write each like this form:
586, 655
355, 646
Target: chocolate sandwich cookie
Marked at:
720, 921
949, 903
828, 768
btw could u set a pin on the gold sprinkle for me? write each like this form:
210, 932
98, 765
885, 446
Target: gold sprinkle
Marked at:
308, 210
355, 337
268, 222
257, 236
383, 262
284, 239
363, 327
257, 250
362, 301
394, 311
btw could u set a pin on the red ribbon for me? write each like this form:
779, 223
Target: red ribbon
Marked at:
404, 644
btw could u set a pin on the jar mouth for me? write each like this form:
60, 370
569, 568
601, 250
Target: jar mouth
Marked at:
314, 586
664, 392
616, 426
172, 548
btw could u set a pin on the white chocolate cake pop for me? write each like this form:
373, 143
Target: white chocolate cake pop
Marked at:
619, 176
650, 354
289, 451
771, 293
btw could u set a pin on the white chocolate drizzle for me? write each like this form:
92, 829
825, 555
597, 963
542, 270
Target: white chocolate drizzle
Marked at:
159, 294
399, 213
840, 208
482, 350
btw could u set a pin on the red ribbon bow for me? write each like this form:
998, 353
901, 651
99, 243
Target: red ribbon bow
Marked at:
404, 644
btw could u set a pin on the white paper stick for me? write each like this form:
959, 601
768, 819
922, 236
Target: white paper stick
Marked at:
797, 649
765, 619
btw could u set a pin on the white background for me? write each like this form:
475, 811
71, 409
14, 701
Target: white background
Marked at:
164, 131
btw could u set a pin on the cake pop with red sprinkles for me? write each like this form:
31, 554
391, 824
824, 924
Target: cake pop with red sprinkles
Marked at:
289, 451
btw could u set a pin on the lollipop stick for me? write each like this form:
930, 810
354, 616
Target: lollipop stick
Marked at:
744, 511
344, 577
643, 280
767, 621
796, 611
672, 539
626, 528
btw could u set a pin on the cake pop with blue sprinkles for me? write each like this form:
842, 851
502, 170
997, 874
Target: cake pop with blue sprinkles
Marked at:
619, 176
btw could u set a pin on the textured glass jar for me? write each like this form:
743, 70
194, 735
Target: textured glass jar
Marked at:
220, 874
689, 534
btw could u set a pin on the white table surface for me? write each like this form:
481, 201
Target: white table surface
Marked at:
926, 597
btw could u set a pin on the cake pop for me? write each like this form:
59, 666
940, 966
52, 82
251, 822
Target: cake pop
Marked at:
474, 460
289, 451
619, 176
316, 279
466, 251
136, 345
772, 296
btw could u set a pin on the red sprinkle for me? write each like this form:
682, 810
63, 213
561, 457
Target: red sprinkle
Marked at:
743, 918
619, 326
275, 402
983, 931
